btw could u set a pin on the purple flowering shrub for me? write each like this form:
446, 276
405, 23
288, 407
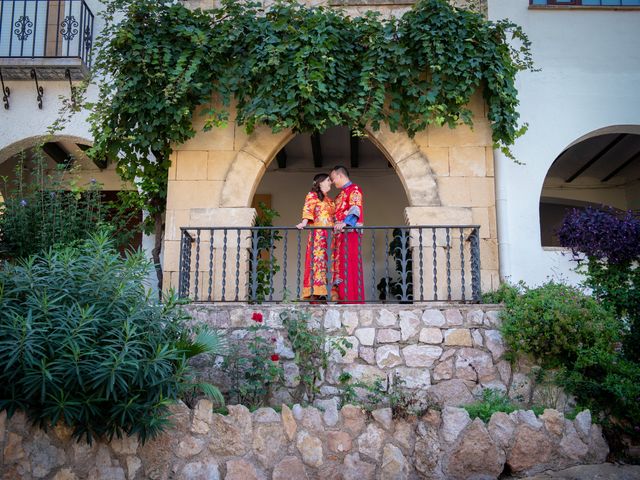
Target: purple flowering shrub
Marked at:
611, 242
602, 234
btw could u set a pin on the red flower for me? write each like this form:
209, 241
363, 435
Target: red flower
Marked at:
273, 339
256, 317
275, 357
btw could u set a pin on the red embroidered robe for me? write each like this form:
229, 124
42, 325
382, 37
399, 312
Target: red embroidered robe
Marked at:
320, 214
348, 279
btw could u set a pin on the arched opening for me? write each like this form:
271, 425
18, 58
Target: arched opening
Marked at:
61, 160
600, 168
288, 179
289, 176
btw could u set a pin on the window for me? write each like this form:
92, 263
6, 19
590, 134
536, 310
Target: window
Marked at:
588, 3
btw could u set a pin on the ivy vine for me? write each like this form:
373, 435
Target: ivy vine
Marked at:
295, 67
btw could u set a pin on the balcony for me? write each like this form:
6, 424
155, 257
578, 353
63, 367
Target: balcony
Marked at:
53, 38
399, 264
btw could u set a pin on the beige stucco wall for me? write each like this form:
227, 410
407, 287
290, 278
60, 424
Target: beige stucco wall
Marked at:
447, 175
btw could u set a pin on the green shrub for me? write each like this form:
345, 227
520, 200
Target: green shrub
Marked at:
569, 331
492, 401
312, 350
556, 324
505, 293
254, 368
82, 343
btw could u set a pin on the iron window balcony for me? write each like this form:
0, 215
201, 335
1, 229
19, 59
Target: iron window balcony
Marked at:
54, 37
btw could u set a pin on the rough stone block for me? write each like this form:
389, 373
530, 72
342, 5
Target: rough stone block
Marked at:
366, 336
431, 335
371, 441
458, 337
310, 447
338, 442
409, 325
414, 377
388, 356
433, 318
421, 355
386, 318
454, 421
388, 335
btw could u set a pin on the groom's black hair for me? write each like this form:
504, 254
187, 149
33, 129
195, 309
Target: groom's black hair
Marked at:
342, 170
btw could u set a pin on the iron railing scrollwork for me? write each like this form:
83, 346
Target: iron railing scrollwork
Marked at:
400, 264
46, 29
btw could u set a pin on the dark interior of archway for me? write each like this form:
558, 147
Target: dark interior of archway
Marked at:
336, 146
610, 158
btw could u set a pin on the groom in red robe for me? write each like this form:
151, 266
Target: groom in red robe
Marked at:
348, 281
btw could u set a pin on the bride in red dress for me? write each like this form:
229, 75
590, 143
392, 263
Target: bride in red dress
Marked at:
318, 211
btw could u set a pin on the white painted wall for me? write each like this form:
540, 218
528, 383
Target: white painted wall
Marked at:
23, 120
590, 79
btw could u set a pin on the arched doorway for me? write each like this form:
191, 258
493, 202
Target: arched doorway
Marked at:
600, 168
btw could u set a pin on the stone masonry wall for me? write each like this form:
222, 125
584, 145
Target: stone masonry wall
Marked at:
307, 443
447, 353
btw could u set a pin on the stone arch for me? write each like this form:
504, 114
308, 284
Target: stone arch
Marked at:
250, 163
85, 168
26, 143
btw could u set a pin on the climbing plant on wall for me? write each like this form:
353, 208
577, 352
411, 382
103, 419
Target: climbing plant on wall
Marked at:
291, 66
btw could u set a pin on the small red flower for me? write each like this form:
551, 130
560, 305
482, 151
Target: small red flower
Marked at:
256, 317
273, 339
275, 357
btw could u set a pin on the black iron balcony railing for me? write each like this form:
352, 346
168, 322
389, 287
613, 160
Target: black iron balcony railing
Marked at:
46, 29
267, 264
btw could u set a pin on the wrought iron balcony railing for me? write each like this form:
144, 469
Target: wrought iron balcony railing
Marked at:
54, 36
267, 264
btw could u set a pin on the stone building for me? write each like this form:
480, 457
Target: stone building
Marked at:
581, 109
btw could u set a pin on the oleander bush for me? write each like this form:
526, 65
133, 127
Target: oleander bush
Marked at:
82, 342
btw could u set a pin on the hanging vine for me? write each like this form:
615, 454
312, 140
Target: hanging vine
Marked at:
291, 67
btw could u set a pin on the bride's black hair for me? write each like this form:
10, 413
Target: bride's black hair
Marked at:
317, 180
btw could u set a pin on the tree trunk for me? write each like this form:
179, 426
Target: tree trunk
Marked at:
157, 248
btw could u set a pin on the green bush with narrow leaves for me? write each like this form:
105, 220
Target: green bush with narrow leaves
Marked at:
41, 210
82, 342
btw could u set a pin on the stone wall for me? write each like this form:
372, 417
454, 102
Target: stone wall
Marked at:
444, 354
307, 443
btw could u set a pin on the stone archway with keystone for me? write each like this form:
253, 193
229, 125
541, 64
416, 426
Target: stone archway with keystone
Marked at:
447, 176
